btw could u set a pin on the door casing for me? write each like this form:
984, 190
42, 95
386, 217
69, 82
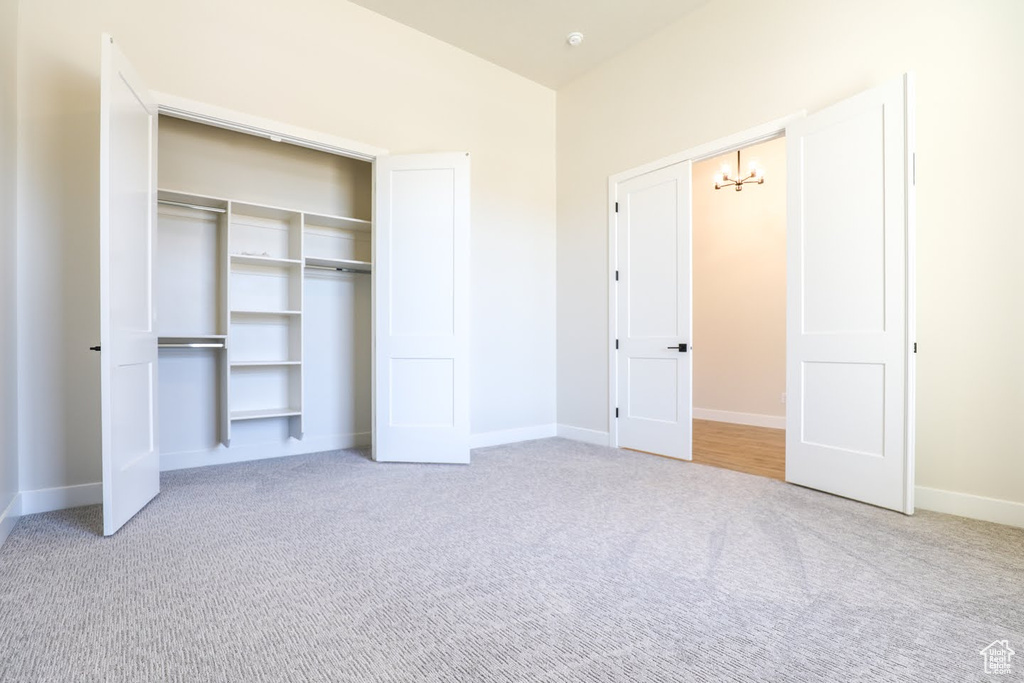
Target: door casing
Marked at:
751, 136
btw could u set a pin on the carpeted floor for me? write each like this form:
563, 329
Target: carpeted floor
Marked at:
544, 561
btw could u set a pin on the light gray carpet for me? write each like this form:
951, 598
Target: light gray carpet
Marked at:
544, 561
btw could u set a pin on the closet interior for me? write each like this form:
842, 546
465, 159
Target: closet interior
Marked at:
263, 297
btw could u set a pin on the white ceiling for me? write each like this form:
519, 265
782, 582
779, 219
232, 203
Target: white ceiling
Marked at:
528, 36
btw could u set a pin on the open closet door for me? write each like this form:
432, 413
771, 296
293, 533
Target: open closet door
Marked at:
849, 306
128, 339
421, 308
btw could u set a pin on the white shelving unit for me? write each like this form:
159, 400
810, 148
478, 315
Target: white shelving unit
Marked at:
265, 295
255, 258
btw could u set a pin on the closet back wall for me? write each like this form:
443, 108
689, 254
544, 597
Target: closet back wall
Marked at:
326, 65
197, 158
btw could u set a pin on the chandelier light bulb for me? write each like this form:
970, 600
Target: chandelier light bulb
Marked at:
755, 174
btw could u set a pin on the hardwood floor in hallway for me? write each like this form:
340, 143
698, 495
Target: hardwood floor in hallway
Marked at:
754, 450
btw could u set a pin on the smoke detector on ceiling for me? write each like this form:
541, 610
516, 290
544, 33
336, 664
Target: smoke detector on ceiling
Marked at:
574, 38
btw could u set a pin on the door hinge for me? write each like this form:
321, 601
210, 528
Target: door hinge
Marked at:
616, 343
616, 207
616, 276
915, 347
616, 412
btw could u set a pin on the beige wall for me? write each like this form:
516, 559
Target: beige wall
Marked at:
721, 71
739, 286
325, 65
222, 163
8, 263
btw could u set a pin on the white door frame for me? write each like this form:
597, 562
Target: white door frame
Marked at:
751, 136
277, 131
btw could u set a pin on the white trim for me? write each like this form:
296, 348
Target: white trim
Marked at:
61, 498
613, 314
9, 517
585, 435
909, 103
968, 505
221, 117
221, 455
750, 136
751, 419
504, 436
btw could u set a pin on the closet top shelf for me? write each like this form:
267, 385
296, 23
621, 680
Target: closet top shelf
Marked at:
313, 220
192, 201
252, 259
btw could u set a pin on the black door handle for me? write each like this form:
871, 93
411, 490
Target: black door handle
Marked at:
681, 348
94, 348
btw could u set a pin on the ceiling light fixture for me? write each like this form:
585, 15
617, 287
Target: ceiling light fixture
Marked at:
723, 179
574, 38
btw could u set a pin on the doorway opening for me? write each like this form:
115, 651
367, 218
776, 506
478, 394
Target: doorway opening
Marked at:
850, 293
739, 310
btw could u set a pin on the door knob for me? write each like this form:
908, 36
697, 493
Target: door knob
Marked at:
681, 348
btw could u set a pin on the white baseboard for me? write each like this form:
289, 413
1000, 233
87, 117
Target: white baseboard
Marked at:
485, 439
968, 505
585, 435
9, 517
60, 498
751, 419
223, 456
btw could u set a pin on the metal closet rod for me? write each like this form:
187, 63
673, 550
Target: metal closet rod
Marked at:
191, 206
195, 345
343, 270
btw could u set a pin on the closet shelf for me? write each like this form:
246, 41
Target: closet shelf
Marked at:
191, 345
254, 312
313, 220
237, 415
263, 363
191, 200
191, 337
251, 260
339, 264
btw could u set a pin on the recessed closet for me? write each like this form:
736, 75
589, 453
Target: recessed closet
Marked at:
263, 297
269, 290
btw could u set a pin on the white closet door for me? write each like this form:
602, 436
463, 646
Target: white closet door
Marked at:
128, 338
421, 308
849, 309
653, 318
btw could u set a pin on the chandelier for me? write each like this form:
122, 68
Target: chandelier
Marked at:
724, 179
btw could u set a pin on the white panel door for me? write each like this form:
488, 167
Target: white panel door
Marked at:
653, 319
421, 308
849, 309
128, 338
